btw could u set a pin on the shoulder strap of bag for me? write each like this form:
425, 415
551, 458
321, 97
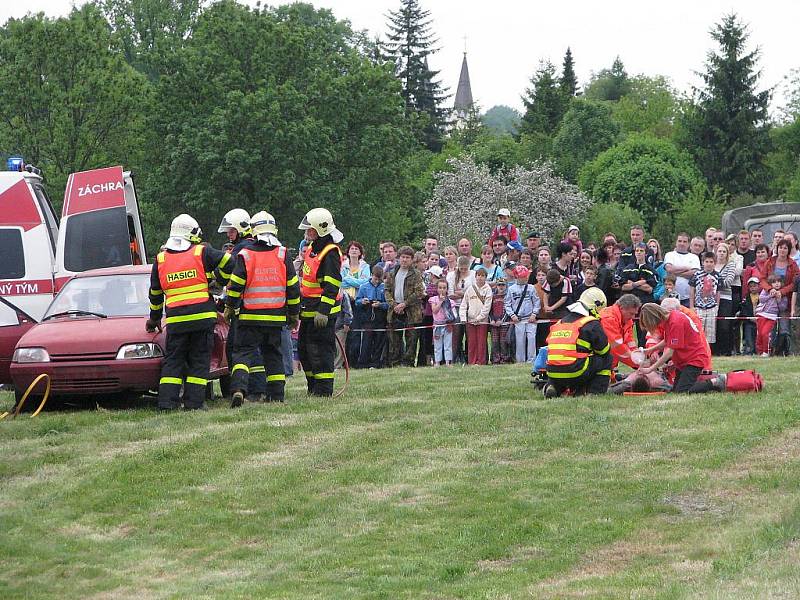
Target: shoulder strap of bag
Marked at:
521, 299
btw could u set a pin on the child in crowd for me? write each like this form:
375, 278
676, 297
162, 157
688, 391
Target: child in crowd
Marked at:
522, 309
559, 294
498, 324
443, 316
748, 309
670, 281
430, 278
704, 295
474, 315
770, 306
504, 228
589, 280
370, 314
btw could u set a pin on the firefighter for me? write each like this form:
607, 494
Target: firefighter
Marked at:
319, 300
236, 225
578, 353
179, 281
617, 322
265, 290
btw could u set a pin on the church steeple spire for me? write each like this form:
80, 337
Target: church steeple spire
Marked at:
463, 102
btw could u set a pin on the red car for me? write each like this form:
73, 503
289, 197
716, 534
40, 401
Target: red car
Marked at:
92, 339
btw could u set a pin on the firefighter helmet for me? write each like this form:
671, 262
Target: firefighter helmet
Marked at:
264, 227
237, 219
321, 220
593, 299
183, 232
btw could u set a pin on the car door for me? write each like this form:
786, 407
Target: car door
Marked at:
100, 223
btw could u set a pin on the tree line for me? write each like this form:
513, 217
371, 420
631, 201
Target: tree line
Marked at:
217, 105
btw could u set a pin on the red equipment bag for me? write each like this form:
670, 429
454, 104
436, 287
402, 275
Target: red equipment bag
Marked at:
744, 381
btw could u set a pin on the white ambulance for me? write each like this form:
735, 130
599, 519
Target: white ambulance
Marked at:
100, 227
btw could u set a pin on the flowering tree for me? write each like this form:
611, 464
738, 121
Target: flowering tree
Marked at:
465, 200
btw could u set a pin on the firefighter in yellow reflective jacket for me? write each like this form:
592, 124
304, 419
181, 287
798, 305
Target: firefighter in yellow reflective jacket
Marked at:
265, 290
320, 294
179, 281
578, 356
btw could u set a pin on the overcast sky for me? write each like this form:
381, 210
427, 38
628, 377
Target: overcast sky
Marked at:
506, 38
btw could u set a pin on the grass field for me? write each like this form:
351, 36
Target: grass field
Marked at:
454, 483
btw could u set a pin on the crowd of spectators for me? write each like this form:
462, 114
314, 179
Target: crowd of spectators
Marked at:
459, 304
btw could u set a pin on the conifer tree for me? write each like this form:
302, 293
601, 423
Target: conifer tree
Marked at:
727, 129
408, 44
569, 81
544, 106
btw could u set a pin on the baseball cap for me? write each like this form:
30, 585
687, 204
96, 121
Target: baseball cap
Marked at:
503, 212
521, 271
514, 245
754, 280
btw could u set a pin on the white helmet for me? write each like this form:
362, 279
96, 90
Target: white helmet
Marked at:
237, 219
264, 228
321, 220
183, 232
590, 303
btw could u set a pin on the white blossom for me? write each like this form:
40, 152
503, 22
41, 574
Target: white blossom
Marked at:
466, 199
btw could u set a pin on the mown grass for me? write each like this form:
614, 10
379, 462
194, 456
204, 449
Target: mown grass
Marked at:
453, 483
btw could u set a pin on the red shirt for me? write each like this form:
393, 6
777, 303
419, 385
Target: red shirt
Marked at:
687, 342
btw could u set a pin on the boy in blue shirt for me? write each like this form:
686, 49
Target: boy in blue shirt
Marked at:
370, 313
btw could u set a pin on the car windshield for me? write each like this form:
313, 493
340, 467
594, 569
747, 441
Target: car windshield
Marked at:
110, 295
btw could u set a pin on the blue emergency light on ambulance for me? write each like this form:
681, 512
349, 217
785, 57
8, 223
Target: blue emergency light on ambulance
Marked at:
15, 163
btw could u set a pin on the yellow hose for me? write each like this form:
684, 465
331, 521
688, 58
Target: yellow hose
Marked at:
27, 393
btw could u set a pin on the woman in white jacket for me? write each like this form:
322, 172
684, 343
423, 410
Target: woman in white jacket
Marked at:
474, 312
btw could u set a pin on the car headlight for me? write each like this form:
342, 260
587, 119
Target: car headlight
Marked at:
144, 350
30, 355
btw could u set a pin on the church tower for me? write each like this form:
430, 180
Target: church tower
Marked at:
463, 102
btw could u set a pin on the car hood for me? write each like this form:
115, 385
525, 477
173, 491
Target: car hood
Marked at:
88, 335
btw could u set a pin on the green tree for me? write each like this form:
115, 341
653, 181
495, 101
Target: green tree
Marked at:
544, 106
586, 130
502, 119
642, 172
609, 84
784, 159
694, 213
282, 109
568, 83
650, 106
151, 31
408, 44
70, 101
727, 129
468, 130
614, 217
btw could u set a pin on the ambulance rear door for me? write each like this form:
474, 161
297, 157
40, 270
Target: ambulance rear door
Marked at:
100, 224
28, 232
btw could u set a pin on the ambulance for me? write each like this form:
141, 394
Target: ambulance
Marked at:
100, 227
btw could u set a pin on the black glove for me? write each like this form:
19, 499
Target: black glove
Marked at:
152, 325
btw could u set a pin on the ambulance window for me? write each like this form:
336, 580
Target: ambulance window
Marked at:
13, 264
96, 240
